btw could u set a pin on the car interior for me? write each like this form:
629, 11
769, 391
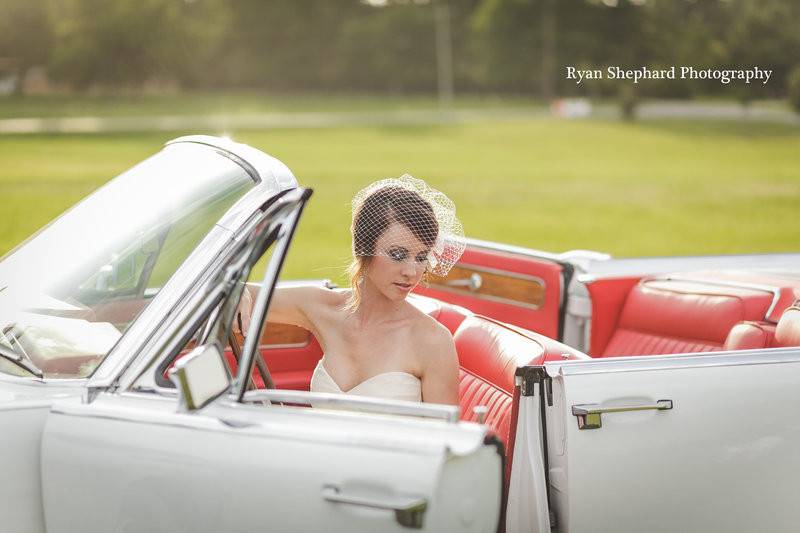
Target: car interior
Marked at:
632, 317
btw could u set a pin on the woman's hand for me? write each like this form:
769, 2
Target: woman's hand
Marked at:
241, 320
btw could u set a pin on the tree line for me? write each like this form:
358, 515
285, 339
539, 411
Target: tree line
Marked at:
390, 46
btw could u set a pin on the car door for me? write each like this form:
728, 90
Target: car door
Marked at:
701, 442
130, 458
515, 285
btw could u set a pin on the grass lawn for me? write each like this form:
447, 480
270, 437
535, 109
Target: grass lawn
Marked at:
647, 188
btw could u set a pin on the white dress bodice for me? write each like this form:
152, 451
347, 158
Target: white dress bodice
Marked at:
389, 385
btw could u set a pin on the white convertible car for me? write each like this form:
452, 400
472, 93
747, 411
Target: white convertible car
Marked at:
596, 394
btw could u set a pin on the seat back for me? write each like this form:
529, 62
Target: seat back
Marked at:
662, 316
489, 354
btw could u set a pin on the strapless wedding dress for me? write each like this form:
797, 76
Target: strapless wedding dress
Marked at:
389, 385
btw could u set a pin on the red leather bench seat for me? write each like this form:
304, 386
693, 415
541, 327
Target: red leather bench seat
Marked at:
663, 316
489, 353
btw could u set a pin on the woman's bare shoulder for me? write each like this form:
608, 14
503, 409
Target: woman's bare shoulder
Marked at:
429, 326
434, 336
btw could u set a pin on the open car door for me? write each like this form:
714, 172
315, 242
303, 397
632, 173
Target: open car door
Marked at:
701, 442
141, 456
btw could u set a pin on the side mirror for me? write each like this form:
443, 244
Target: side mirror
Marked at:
200, 377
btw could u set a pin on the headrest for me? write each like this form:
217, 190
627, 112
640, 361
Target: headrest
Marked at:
493, 351
691, 309
787, 332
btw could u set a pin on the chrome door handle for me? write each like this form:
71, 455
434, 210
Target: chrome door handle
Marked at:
408, 510
589, 413
473, 282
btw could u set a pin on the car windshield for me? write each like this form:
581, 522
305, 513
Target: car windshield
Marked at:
68, 293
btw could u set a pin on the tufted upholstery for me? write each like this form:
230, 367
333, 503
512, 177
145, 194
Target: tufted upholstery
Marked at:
489, 353
676, 316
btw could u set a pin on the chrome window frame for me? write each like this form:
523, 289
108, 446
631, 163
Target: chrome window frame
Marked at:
140, 377
273, 177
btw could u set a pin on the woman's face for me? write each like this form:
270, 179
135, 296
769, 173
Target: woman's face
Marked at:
399, 262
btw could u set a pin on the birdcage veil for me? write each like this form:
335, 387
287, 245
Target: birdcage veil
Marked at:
429, 215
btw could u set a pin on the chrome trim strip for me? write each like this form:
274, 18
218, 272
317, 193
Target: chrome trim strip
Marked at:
450, 413
268, 347
224, 152
409, 510
778, 264
23, 405
762, 356
289, 424
34, 381
597, 409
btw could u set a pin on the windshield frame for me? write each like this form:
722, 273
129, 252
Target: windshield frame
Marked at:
271, 177
279, 212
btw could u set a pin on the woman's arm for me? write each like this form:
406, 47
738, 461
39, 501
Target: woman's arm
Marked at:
289, 305
440, 369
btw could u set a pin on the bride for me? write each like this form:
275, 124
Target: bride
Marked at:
375, 343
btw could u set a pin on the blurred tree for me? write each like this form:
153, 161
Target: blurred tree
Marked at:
26, 35
288, 44
126, 43
506, 39
391, 49
793, 88
763, 33
515, 46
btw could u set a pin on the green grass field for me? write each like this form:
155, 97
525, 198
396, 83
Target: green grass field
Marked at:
647, 188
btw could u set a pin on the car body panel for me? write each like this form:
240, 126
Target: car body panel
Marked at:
224, 463
725, 454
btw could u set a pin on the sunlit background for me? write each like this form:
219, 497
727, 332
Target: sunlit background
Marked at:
470, 95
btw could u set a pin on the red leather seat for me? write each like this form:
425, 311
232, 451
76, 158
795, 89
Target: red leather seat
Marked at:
489, 353
754, 335
662, 316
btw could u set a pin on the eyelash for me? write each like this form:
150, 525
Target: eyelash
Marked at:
399, 255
